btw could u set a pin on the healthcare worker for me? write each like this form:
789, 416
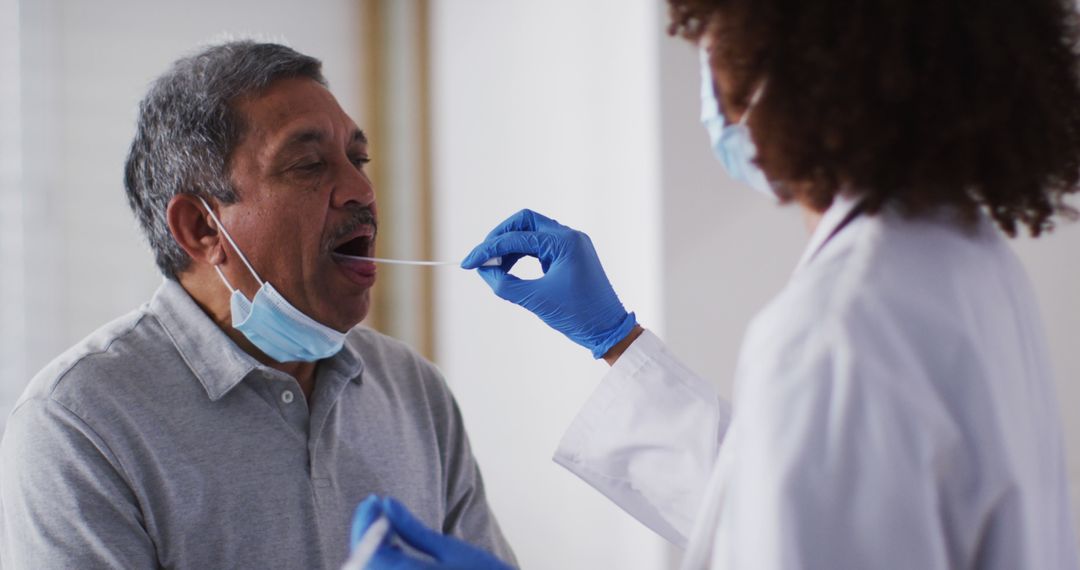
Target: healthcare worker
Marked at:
894, 405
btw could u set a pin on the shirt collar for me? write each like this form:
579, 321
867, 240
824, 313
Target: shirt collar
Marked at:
218, 363
212, 356
347, 363
830, 222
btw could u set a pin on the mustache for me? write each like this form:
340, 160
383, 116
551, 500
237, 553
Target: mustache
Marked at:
358, 216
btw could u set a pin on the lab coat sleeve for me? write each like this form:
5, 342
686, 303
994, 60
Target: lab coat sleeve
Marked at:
839, 461
66, 503
648, 438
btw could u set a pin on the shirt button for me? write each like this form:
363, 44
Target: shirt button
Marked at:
287, 396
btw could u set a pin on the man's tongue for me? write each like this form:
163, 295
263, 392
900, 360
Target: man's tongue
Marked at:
354, 264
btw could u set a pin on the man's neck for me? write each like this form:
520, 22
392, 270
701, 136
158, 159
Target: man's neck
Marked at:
216, 306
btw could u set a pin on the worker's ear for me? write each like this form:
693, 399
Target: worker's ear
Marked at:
193, 229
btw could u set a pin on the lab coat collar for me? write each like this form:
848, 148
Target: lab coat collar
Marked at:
831, 220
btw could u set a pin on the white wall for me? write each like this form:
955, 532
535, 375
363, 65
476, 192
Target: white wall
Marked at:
34, 245
12, 259
552, 106
1053, 264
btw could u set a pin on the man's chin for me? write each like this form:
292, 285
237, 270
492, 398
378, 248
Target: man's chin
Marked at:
351, 311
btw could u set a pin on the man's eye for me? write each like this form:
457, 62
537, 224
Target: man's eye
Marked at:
360, 161
310, 166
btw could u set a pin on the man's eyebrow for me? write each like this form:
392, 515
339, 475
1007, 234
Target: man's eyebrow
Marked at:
307, 136
304, 137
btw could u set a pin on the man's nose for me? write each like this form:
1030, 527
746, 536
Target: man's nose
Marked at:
353, 187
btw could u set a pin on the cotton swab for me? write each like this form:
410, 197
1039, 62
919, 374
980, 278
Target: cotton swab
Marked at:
365, 549
493, 262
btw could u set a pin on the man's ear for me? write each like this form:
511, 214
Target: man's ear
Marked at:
193, 229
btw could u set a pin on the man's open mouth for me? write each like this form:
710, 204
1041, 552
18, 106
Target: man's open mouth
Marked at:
352, 254
360, 242
357, 247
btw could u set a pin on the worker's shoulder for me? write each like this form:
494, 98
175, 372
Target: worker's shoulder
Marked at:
106, 361
907, 311
889, 273
926, 270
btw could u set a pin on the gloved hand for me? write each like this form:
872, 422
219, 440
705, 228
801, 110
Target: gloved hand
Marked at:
448, 553
573, 297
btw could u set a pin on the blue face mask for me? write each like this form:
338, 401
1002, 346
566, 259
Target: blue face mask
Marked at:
272, 324
731, 143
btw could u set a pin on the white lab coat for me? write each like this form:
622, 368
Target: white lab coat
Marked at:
894, 408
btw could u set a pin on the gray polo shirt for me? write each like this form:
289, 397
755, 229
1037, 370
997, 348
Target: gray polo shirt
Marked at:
158, 443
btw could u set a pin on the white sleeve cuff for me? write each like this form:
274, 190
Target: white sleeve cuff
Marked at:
648, 436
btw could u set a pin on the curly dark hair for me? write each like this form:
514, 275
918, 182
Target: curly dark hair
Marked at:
920, 103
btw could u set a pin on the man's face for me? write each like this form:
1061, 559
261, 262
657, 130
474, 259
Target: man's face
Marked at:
303, 193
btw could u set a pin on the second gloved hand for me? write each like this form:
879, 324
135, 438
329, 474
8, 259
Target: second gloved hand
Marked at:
441, 552
573, 297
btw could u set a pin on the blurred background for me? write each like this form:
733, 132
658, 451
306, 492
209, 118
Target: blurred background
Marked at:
584, 110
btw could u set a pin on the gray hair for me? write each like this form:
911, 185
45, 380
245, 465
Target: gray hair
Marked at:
187, 129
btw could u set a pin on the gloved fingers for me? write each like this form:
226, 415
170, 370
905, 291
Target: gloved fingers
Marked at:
505, 286
525, 221
545, 264
493, 276
509, 261
413, 531
366, 512
516, 244
448, 552
539, 244
397, 559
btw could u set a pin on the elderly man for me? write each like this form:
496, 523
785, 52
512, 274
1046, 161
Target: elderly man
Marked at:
237, 419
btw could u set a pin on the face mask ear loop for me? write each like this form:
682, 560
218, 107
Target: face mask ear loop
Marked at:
753, 101
226, 281
232, 243
708, 85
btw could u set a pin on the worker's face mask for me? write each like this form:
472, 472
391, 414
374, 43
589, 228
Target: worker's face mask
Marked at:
731, 143
272, 324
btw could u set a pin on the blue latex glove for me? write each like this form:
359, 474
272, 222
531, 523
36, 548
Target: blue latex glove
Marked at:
445, 552
573, 297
